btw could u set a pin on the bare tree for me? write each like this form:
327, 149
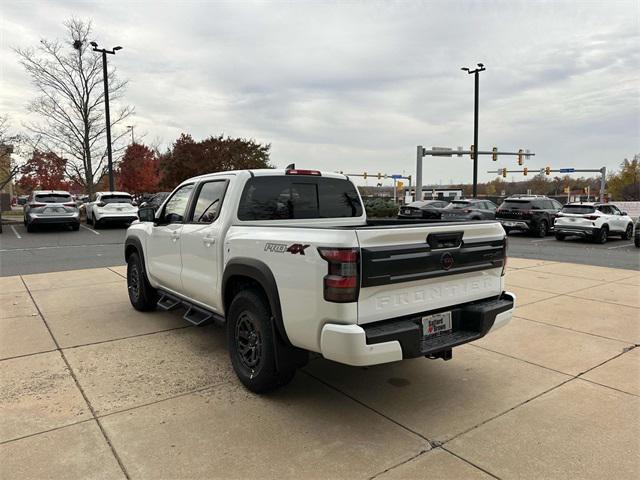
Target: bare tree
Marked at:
69, 80
7, 144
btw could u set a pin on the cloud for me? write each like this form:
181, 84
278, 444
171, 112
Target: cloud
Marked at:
359, 85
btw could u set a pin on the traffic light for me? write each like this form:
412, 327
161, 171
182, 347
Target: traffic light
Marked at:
494, 154
379, 176
364, 175
520, 158
400, 186
504, 173
472, 150
547, 170
525, 170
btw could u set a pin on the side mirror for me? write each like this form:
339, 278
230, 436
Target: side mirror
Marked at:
625, 213
147, 214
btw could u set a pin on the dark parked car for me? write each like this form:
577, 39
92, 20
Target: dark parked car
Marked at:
528, 213
155, 200
430, 209
469, 209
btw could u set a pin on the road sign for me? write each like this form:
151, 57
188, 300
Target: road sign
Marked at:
396, 176
567, 170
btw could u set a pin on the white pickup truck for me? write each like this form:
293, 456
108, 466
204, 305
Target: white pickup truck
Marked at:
288, 261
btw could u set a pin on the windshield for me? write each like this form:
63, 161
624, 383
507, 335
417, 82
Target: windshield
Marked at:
115, 199
578, 209
53, 198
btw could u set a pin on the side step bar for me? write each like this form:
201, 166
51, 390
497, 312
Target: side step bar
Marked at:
194, 314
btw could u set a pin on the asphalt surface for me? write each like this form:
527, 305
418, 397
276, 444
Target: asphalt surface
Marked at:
58, 249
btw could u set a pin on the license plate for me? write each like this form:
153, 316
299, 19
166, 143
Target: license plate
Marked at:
407, 212
572, 219
436, 323
53, 210
119, 209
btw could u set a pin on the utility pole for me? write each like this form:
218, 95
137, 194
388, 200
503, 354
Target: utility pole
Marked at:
130, 127
106, 106
476, 72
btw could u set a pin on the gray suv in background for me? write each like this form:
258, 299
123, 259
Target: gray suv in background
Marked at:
469, 209
51, 207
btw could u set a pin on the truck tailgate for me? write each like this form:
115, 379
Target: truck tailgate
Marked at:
407, 269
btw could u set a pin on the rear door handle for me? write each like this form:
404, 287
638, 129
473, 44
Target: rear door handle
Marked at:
175, 236
208, 241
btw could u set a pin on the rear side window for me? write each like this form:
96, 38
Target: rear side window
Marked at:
297, 197
53, 198
578, 209
457, 205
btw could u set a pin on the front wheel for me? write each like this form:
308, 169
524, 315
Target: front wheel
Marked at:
628, 233
142, 295
252, 344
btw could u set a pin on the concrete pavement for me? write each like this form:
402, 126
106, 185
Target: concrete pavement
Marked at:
93, 389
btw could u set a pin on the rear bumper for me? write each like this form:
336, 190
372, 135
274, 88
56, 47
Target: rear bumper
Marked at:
576, 230
37, 219
393, 340
116, 217
515, 224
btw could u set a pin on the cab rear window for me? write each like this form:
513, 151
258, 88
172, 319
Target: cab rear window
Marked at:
298, 197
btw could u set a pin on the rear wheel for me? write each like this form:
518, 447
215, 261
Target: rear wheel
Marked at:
560, 236
142, 295
602, 235
254, 347
30, 227
628, 233
542, 229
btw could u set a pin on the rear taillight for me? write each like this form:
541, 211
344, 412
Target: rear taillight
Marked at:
37, 205
591, 217
72, 205
341, 282
100, 204
504, 261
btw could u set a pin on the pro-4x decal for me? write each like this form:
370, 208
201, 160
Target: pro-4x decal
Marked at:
283, 247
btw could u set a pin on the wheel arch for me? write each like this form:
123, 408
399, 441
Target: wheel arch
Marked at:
240, 271
133, 245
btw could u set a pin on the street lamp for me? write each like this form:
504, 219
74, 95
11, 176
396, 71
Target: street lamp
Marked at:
106, 105
475, 123
130, 127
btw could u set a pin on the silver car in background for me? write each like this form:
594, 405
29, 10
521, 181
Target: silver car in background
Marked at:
51, 207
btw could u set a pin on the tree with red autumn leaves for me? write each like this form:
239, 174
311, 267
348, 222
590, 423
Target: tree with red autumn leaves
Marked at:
189, 158
43, 171
138, 170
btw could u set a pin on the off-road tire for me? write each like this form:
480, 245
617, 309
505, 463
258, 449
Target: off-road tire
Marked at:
142, 295
628, 233
259, 357
31, 227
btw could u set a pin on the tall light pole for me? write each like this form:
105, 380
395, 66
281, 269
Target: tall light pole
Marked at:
475, 124
106, 105
130, 127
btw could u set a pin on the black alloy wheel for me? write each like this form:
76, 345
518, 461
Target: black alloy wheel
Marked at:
248, 342
628, 233
542, 229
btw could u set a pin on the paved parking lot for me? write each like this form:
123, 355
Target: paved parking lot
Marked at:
56, 249
93, 389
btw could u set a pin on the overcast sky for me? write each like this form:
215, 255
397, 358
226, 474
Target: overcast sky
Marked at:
355, 86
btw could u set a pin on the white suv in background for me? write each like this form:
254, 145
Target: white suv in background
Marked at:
112, 207
593, 220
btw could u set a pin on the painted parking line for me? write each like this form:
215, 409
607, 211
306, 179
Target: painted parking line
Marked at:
620, 246
90, 229
15, 232
542, 240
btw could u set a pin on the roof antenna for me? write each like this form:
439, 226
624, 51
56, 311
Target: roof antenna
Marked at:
291, 166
